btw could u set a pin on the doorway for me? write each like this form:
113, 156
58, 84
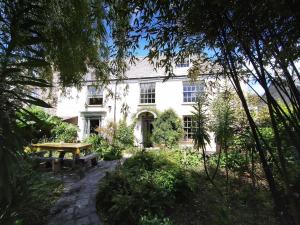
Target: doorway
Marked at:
147, 129
91, 125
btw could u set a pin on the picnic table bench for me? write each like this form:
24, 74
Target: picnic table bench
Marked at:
62, 148
89, 160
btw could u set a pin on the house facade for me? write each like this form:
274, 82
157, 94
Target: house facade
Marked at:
137, 98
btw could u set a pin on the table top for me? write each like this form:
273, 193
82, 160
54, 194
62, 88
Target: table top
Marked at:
62, 145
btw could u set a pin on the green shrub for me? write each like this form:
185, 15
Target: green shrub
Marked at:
167, 129
124, 134
146, 183
236, 161
154, 220
106, 150
97, 143
65, 132
111, 148
268, 135
190, 158
112, 152
35, 125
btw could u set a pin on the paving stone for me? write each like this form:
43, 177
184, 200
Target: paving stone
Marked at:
83, 195
69, 210
83, 221
70, 222
94, 219
68, 217
53, 222
81, 212
82, 202
77, 206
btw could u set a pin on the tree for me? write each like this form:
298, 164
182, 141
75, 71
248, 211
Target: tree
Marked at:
250, 40
36, 39
167, 129
223, 121
201, 131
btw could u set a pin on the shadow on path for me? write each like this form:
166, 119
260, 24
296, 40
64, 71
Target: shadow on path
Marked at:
77, 205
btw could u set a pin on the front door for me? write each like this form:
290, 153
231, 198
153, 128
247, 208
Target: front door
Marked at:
91, 125
147, 128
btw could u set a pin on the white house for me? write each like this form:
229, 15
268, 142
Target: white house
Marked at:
140, 96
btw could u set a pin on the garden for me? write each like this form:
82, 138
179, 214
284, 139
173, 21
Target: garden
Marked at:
38, 188
170, 187
48, 48
167, 184
184, 185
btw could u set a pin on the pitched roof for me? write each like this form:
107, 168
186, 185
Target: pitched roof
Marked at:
142, 68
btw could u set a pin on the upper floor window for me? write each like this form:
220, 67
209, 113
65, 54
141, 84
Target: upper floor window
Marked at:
191, 91
147, 93
95, 95
183, 63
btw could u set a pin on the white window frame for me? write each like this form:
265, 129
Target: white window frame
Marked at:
191, 90
96, 93
147, 93
188, 128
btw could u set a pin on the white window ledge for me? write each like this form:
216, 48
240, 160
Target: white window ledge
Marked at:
147, 104
95, 105
188, 103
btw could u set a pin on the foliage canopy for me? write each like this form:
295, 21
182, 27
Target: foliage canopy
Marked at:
38, 38
248, 40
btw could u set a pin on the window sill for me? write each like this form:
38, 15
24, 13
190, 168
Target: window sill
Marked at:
147, 104
188, 103
95, 105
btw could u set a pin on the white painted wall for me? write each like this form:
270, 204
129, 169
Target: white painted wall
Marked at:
169, 94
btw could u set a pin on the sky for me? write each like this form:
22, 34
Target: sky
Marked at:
257, 88
141, 52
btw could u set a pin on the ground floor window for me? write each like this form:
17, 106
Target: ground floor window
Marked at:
187, 127
91, 125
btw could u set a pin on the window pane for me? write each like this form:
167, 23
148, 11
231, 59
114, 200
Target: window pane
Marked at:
93, 90
95, 101
191, 91
147, 93
187, 127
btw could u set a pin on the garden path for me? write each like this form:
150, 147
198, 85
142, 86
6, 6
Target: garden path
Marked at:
77, 206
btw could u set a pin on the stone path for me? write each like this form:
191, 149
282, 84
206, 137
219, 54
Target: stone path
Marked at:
77, 206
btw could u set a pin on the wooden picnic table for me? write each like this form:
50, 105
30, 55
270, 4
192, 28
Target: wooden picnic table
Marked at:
67, 147
62, 148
